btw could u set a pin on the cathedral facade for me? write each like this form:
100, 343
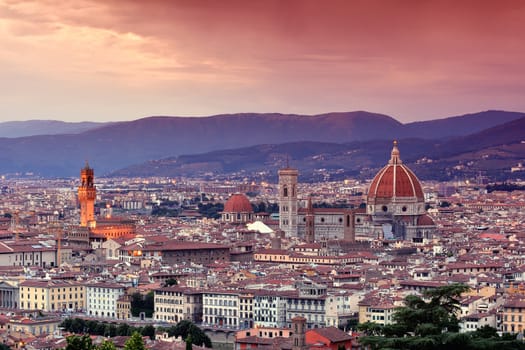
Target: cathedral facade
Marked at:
395, 209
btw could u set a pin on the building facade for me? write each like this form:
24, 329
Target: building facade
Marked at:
49, 295
221, 309
23, 254
102, 299
9, 294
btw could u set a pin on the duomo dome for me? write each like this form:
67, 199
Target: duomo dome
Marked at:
395, 190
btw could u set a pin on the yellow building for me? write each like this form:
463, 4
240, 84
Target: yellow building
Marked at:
124, 307
377, 312
34, 326
49, 295
513, 316
174, 304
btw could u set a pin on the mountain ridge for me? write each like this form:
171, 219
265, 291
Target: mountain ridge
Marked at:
433, 159
122, 144
14, 129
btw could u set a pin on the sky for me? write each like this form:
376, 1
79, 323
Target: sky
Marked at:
109, 60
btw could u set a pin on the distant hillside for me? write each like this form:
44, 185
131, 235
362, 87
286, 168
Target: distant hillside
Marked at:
460, 125
504, 134
312, 159
120, 145
492, 152
44, 127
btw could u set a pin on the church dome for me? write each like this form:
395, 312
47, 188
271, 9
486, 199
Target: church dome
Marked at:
425, 220
395, 189
238, 203
395, 180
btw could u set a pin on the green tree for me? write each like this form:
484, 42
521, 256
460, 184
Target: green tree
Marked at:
430, 323
111, 330
370, 328
91, 327
79, 342
66, 324
100, 329
142, 303
188, 343
170, 282
185, 328
424, 318
106, 345
148, 331
124, 329
485, 332
78, 325
135, 342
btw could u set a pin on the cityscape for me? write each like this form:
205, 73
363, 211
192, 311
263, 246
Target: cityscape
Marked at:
262, 175
245, 262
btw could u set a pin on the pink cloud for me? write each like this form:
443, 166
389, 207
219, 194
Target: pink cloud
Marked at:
410, 59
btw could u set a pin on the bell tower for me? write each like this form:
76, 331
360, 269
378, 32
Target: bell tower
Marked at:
298, 333
87, 193
288, 201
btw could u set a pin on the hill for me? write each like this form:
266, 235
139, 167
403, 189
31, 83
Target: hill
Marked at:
119, 145
44, 127
459, 125
492, 152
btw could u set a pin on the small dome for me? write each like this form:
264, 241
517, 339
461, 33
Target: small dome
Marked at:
238, 203
395, 180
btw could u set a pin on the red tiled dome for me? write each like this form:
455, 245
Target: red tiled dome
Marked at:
395, 180
425, 220
238, 203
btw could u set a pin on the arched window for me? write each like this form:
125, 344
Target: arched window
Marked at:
285, 191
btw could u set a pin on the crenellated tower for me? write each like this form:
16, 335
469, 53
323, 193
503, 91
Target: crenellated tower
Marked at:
87, 194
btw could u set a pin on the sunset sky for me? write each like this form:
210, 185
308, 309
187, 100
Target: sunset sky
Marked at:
122, 59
